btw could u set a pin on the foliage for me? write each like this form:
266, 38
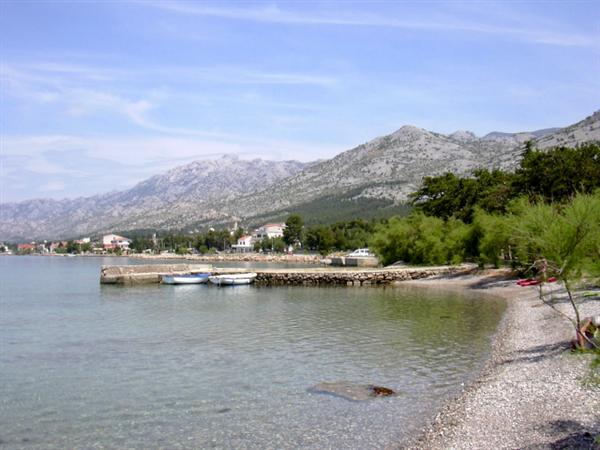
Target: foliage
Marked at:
421, 239
292, 233
448, 195
567, 237
275, 244
182, 250
556, 175
559, 174
561, 241
320, 238
492, 233
141, 243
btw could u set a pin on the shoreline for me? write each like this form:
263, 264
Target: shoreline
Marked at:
222, 257
530, 392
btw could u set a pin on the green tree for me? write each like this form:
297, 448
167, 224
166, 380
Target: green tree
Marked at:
421, 239
292, 233
494, 236
563, 242
558, 174
320, 238
182, 250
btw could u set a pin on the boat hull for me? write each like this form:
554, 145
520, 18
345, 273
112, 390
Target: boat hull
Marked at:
232, 280
199, 278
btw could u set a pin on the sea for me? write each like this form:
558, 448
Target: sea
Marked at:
90, 366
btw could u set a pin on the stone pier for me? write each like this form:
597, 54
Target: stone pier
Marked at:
147, 273
152, 273
353, 277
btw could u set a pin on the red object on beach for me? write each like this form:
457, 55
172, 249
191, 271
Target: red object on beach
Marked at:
551, 279
528, 282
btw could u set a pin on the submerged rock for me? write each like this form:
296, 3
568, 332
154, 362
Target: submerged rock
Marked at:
351, 391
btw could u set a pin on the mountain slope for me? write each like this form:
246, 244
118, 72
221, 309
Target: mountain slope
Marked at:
378, 174
392, 166
169, 200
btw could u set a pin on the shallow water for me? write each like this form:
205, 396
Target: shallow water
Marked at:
86, 366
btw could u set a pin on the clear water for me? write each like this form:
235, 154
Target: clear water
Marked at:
90, 366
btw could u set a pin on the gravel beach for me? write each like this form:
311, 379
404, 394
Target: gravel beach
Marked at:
532, 393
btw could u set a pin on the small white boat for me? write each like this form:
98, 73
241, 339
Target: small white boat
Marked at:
232, 279
194, 278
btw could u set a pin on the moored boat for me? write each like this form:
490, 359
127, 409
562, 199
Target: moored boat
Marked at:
232, 279
194, 278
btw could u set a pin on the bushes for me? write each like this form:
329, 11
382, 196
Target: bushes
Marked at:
566, 235
421, 239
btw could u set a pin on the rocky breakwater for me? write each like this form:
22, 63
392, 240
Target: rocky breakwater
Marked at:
348, 277
147, 273
239, 257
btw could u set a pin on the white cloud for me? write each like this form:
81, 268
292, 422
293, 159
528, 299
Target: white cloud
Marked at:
273, 14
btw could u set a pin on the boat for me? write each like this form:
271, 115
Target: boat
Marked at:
232, 279
360, 252
194, 278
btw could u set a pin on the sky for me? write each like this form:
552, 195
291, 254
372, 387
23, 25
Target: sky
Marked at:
97, 96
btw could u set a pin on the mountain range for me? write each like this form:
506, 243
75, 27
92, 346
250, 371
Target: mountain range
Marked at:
373, 177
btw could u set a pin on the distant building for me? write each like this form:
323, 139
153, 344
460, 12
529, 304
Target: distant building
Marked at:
113, 241
269, 230
26, 248
244, 244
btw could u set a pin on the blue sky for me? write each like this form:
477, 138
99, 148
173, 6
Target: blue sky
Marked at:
96, 96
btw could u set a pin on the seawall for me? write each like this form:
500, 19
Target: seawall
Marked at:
152, 273
147, 273
353, 277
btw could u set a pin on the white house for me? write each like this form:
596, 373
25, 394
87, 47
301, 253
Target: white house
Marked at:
110, 241
269, 230
244, 244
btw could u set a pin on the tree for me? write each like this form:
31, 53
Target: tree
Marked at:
559, 174
421, 239
182, 250
561, 242
292, 233
268, 244
320, 238
448, 196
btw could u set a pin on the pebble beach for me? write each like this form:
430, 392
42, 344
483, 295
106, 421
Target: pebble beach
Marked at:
534, 392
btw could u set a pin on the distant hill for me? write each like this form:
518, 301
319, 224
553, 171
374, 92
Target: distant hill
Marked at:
372, 179
388, 168
171, 200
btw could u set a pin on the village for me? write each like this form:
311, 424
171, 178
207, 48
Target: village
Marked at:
114, 244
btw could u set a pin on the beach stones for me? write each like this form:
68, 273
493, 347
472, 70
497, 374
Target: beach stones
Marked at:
352, 391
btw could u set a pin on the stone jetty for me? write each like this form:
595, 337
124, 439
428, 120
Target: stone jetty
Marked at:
152, 273
352, 277
147, 273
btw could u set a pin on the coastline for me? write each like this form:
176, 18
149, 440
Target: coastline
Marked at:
530, 393
221, 257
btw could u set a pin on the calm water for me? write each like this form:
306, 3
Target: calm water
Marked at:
90, 366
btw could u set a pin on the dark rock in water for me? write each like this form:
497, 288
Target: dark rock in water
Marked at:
350, 391
380, 391
224, 410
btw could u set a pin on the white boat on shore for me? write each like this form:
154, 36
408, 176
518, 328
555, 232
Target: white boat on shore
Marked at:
194, 278
232, 279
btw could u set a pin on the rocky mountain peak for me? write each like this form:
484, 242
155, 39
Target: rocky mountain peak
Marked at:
409, 131
463, 136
